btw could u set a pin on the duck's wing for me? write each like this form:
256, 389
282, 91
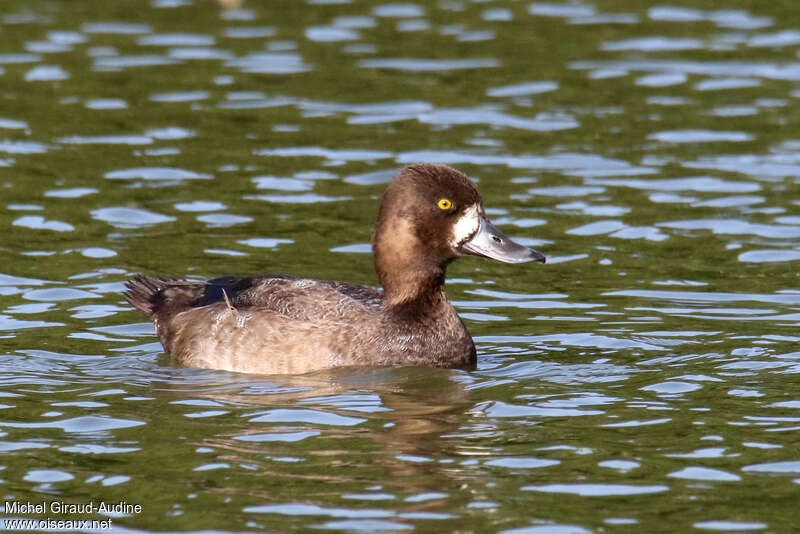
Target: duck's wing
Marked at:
295, 298
264, 324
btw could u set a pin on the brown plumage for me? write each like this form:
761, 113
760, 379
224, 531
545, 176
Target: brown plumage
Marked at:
429, 216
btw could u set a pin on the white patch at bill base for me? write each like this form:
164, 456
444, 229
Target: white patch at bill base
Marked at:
466, 225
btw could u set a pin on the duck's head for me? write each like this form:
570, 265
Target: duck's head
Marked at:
432, 214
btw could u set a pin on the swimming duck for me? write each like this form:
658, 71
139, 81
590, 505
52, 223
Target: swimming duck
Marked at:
429, 216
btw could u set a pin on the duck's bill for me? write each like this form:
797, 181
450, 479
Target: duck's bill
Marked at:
490, 242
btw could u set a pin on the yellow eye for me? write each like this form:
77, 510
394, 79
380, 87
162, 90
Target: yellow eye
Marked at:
444, 203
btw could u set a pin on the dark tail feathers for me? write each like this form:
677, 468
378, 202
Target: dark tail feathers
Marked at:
143, 292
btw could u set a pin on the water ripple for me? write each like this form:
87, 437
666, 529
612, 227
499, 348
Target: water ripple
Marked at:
428, 65
597, 490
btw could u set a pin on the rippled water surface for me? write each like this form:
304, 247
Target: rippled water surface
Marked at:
644, 380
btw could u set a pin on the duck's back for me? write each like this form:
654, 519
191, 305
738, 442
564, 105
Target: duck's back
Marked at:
301, 299
262, 324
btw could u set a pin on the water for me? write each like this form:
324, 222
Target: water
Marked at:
644, 379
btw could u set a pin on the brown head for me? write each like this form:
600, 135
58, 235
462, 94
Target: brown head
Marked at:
430, 215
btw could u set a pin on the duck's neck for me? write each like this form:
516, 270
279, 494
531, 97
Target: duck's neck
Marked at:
409, 279
417, 286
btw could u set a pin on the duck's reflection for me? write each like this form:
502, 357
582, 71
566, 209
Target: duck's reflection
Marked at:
409, 408
393, 421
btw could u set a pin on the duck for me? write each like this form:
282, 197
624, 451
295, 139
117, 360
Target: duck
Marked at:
429, 215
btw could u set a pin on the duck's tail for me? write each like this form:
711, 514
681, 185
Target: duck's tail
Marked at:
143, 292
153, 296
